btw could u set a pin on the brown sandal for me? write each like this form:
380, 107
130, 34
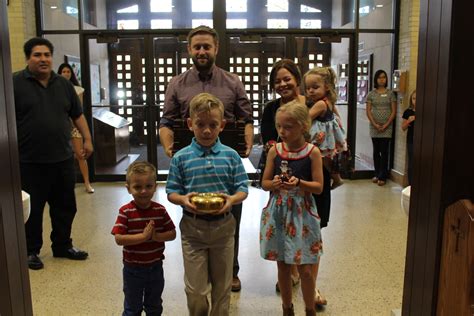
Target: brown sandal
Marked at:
319, 299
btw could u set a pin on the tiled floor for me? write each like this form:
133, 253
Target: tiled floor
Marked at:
361, 271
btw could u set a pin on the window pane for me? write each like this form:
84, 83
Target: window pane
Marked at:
236, 6
306, 8
236, 23
277, 5
310, 24
376, 15
160, 6
162, 24
202, 5
131, 9
64, 45
198, 22
127, 24
60, 15
343, 14
311, 14
277, 24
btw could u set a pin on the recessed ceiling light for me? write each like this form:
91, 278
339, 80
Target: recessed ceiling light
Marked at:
54, 7
379, 5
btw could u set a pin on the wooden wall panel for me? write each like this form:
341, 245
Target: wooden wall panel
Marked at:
442, 146
15, 296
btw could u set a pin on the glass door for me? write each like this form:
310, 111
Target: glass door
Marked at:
327, 51
170, 58
252, 57
335, 51
128, 75
123, 110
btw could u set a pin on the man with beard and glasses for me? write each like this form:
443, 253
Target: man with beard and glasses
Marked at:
205, 76
45, 105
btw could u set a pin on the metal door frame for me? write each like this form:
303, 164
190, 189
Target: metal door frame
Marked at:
150, 107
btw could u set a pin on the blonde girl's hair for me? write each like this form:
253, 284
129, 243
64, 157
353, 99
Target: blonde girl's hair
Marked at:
205, 102
329, 78
140, 167
299, 112
410, 103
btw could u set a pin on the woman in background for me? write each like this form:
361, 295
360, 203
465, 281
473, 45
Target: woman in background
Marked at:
66, 71
381, 110
409, 124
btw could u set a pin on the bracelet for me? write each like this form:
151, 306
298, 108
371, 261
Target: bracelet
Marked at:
298, 182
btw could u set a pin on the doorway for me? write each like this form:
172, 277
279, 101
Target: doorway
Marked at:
128, 75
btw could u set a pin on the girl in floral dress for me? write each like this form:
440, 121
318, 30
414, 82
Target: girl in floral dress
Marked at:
326, 131
290, 232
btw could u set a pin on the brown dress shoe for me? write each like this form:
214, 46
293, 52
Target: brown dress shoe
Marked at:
236, 285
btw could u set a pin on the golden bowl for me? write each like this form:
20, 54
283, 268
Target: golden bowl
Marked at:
208, 202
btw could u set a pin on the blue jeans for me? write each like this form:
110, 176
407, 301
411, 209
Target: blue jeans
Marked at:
143, 286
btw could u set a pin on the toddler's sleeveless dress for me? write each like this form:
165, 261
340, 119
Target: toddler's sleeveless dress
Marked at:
328, 134
289, 228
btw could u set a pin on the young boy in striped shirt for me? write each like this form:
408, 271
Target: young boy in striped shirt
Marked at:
142, 227
206, 165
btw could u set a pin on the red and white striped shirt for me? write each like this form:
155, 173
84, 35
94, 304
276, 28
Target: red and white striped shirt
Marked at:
133, 220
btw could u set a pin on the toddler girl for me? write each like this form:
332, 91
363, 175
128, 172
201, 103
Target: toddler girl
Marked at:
326, 131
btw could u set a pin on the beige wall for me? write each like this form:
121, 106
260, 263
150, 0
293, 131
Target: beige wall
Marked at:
22, 26
407, 61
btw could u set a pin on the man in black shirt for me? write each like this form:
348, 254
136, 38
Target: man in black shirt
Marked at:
45, 104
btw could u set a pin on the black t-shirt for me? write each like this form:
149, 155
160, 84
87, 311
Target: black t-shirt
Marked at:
267, 125
409, 112
43, 117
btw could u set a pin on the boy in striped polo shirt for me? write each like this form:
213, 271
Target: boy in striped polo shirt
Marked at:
206, 165
142, 227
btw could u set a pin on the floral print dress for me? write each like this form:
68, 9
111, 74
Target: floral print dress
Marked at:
328, 134
289, 228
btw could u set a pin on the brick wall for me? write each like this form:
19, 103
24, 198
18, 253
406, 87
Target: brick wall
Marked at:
21, 24
407, 61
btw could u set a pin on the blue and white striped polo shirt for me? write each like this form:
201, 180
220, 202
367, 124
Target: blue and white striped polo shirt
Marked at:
199, 169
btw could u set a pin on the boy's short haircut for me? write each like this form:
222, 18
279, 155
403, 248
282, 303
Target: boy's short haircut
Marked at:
205, 102
140, 167
203, 29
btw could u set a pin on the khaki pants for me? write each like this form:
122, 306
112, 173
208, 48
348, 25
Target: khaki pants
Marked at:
208, 251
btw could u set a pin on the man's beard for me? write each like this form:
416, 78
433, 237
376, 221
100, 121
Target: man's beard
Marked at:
203, 67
